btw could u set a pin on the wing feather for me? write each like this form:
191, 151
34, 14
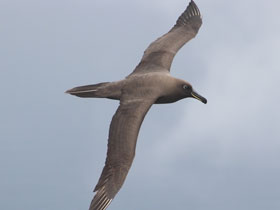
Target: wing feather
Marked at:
123, 134
160, 53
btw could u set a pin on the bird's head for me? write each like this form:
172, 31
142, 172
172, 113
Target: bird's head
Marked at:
187, 91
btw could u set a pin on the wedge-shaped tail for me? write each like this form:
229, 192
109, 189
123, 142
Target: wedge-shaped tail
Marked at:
111, 90
87, 91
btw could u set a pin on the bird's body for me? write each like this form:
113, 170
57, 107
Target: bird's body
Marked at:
150, 83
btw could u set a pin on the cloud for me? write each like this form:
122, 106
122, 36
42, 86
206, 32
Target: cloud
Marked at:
223, 155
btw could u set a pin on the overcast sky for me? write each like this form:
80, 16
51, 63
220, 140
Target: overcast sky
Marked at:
222, 155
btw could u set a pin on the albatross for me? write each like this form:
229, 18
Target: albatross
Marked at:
150, 83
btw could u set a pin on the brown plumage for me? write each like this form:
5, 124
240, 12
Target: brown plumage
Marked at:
150, 83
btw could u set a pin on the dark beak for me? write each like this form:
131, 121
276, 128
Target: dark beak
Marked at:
198, 97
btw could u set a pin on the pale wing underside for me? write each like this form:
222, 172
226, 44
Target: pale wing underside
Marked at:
159, 55
123, 134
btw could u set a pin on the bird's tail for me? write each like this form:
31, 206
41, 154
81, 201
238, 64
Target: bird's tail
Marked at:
88, 91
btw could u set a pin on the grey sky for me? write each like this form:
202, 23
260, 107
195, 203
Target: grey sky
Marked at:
223, 155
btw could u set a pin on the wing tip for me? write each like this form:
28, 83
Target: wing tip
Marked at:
191, 13
100, 201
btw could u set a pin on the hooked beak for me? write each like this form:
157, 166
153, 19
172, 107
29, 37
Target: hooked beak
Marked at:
198, 97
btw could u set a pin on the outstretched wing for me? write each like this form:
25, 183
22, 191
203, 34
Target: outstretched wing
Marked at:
123, 134
159, 55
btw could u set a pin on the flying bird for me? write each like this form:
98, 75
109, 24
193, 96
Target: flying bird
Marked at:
150, 83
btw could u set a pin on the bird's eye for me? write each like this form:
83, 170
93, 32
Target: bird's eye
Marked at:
186, 87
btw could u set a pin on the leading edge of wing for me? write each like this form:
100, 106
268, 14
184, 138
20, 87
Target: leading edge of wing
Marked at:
160, 53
